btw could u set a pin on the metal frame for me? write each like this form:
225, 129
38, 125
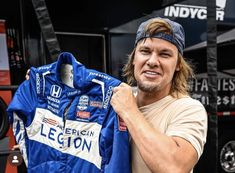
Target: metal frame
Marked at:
90, 35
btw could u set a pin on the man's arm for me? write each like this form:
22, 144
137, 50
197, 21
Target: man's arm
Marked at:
160, 152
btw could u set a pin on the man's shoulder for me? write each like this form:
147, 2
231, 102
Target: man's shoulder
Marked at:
186, 100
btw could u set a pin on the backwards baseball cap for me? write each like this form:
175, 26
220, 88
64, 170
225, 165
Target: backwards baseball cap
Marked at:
177, 37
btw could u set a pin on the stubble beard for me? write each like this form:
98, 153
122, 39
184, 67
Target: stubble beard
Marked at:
148, 87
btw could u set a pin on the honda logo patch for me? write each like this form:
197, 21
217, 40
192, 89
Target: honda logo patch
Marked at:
55, 91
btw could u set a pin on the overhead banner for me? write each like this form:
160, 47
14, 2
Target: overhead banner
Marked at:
190, 14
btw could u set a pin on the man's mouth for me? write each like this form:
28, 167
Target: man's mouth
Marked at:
151, 73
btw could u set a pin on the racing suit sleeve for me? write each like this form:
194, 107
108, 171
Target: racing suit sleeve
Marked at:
116, 146
21, 110
24, 100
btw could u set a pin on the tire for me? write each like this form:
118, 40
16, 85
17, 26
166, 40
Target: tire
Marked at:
226, 152
4, 123
227, 157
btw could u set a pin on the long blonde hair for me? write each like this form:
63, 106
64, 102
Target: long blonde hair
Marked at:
181, 79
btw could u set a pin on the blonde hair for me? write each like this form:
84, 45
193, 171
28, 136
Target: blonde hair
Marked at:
181, 78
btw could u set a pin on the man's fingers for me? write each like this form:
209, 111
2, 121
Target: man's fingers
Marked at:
115, 89
16, 147
27, 74
123, 84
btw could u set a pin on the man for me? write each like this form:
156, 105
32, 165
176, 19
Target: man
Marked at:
168, 128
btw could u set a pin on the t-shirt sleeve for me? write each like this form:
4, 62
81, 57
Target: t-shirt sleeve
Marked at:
24, 100
189, 122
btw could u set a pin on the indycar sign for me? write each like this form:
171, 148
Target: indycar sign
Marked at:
194, 11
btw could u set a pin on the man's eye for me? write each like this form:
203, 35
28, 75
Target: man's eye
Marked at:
145, 51
165, 55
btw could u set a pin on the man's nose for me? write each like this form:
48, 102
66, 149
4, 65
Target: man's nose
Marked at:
153, 60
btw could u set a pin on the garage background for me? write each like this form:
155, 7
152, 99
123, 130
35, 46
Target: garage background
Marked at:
101, 35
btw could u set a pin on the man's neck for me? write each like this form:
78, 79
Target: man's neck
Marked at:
146, 98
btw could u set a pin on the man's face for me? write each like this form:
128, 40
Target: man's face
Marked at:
155, 63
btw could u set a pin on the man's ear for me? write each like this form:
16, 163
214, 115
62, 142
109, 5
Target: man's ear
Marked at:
177, 67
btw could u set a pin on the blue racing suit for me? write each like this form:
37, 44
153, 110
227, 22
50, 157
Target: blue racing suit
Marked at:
69, 129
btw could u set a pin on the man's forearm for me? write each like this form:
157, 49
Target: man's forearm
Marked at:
159, 151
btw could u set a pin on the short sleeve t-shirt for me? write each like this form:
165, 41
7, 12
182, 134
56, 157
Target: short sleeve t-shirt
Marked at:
183, 117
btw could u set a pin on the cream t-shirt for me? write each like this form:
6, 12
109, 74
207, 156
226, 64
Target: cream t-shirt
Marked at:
184, 117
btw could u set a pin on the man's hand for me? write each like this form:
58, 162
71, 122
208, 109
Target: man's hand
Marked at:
123, 100
16, 147
27, 74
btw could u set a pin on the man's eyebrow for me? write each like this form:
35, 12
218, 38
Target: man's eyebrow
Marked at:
166, 50
144, 47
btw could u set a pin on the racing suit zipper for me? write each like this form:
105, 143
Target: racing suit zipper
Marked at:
66, 111
64, 157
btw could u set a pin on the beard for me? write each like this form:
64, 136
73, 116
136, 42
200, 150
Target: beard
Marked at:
148, 87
